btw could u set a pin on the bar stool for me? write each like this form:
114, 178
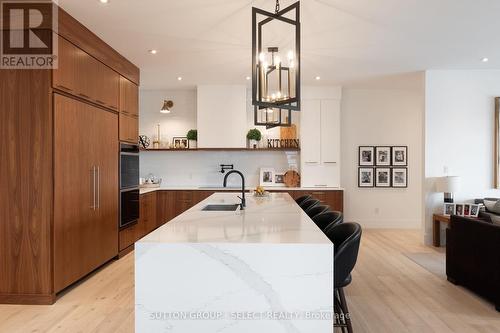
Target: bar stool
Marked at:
327, 220
306, 204
303, 198
315, 210
346, 238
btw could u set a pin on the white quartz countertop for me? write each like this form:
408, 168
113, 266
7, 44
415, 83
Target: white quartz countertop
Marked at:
274, 219
217, 188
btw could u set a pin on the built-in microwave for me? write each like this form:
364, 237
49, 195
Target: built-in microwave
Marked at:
129, 166
129, 184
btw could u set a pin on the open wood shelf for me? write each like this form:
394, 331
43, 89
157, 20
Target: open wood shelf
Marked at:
222, 149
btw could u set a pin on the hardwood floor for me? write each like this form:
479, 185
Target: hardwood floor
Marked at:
389, 293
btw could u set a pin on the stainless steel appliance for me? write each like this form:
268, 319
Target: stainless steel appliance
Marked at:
129, 184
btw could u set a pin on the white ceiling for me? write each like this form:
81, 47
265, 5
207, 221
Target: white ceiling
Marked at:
343, 41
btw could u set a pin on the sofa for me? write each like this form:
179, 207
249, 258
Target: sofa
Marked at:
473, 256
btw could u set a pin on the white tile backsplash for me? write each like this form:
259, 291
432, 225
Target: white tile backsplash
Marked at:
201, 168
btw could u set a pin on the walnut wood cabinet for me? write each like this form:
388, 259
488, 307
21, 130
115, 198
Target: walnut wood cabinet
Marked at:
63, 130
332, 198
129, 111
129, 128
129, 97
81, 75
85, 189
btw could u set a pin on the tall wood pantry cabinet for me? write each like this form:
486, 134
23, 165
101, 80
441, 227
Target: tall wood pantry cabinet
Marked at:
59, 164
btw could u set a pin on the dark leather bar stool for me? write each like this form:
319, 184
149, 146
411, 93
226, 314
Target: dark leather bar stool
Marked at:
315, 210
328, 219
305, 205
303, 198
346, 238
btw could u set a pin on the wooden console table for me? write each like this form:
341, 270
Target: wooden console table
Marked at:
436, 227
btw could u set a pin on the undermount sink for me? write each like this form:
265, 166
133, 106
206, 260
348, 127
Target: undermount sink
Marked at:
221, 208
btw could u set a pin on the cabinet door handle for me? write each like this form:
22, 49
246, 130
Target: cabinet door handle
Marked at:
98, 187
320, 185
63, 87
83, 95
329, 162
93, 188
311, 162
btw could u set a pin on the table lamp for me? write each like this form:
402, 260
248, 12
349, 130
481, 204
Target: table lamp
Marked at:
448, 185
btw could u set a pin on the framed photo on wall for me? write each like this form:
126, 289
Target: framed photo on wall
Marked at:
365, 177
383, 156
400, 177
382, 177
400, 156
366, 155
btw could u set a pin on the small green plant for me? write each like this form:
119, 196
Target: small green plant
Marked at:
192, 135
254, 134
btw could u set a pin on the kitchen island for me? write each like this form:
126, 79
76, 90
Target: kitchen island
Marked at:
267, 268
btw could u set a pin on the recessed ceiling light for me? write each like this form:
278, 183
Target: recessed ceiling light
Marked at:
153, 51
179, 78
318, 78
104, 1
485, 60
247, 78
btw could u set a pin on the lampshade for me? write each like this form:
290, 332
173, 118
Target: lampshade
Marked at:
449, 184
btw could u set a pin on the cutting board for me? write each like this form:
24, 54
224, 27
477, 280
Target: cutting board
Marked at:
288, 132
292, 178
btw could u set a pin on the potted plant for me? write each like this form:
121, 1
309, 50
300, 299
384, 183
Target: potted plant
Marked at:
192, 136
253, 137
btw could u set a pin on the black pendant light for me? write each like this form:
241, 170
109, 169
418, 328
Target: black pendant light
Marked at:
275, 65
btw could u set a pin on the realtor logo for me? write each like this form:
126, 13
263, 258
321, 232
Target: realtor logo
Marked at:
27, 39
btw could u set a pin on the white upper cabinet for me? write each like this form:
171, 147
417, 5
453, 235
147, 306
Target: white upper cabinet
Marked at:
310, 134
221, 116
320, 138
330, 131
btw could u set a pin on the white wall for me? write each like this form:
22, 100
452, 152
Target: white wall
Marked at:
177, 123
389, 116
199, 168
459, 135
221, 116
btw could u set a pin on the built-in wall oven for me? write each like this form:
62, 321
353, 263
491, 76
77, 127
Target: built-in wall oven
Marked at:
129, 184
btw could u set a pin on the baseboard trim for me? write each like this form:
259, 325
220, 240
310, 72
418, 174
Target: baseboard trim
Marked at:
387, 224
125, 251
28, 299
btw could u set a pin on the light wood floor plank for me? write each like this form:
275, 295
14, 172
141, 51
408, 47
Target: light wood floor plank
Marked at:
389, 293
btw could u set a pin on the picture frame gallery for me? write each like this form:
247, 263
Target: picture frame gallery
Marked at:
383, 166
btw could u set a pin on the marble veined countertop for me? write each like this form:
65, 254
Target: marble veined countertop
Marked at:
274, 219
220, 188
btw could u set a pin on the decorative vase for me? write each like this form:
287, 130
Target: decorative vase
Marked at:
253, 144
193, 144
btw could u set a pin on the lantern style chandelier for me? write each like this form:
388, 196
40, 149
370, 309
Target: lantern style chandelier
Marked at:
275, 65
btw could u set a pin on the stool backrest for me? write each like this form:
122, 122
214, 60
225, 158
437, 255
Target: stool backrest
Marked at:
346, 238
303, 198
328, 219
309, 203
315, 210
